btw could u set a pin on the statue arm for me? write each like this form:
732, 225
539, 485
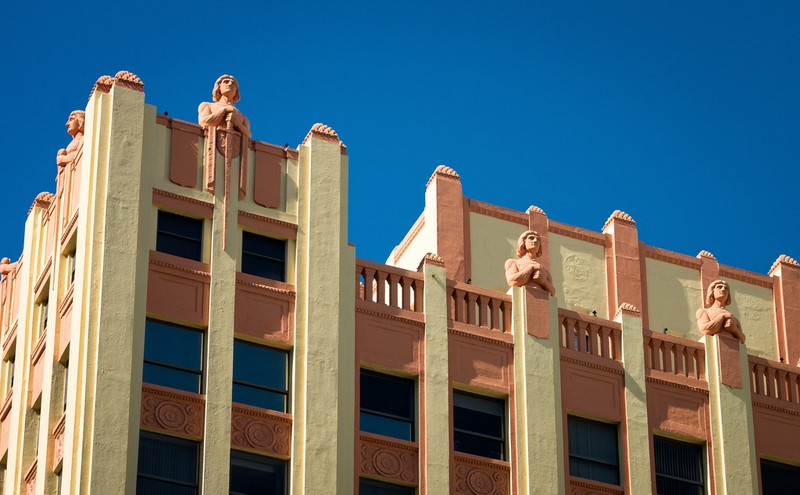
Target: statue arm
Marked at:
209, 116
707, 325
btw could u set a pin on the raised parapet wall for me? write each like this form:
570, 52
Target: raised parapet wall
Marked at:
594, 272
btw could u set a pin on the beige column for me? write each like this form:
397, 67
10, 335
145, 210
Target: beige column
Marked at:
537, 375
218, 364
731, 411
108, 335
435, 436
635, 429
324, 354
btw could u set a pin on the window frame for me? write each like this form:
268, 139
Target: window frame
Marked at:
411, 420
503, 439
382, 485
161, 232
199, 372
168, 439
593, 461
247, 255
786, 468
695, 448
257, 459
265, 388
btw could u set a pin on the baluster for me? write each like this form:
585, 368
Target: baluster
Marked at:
419, 290
648, 357
668, 350
780, 384
369, 284
593, 340
581, 326
483, 309
506, 307
655, 357
605, 342
794, 382
406, 293
494, 309
393, 282
759, 383
380, 295
680, 354
770, 381
459, 310
472, 303
617, 341
691, 362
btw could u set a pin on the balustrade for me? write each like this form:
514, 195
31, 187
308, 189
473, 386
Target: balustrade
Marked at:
588, 334
674, 355
475, 306
775, 380
389, 286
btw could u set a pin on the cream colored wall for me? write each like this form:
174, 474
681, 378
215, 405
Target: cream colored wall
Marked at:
492, 242
673, 297
423, 243
752, 305
579, 274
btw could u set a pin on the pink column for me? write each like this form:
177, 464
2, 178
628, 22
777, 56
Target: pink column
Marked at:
452, 228
785, 273
625, 265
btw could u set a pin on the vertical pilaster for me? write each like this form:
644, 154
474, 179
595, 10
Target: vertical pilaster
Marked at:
445, 208
635, 429
111, 342
324, 367
435, 435
537, 220
537, 375
731, 412
709, 272
624, 263
218, 363
785, 273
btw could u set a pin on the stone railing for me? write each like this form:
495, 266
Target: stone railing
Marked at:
389, 286
595, 336
776, 380
479, 307
674, 355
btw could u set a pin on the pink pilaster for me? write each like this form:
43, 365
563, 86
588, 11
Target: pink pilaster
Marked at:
785, 273
537, 220
452, 225
625, 264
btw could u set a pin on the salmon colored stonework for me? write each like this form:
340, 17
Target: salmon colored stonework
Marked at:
716, 318
75, 128
526, 270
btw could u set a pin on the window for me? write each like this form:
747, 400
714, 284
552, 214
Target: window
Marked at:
263, 256
778, 478
167, 465
173, 356
479, 425
387, 405
679, 467
260, 376
254, 474
69, 261
180, 236
593, 450
41, 328
371, 487
66, 384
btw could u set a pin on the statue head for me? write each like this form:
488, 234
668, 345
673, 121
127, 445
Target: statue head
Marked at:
710, 296
216, 93
76, 122
521, 249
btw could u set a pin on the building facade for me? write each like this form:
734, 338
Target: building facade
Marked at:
188, 316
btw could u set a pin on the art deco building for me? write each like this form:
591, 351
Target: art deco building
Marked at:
187, 316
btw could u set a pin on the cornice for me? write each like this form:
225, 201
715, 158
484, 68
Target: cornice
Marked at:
482, 338
379, 314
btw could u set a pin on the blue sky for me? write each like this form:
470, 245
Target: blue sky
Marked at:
684, 114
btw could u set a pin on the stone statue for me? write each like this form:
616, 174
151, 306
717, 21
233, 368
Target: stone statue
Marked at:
715, 318
75, 128
6, 267
222, 112
526, 270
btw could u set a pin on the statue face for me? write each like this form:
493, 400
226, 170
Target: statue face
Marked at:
721, 292
228, 87
531, 243
74, 123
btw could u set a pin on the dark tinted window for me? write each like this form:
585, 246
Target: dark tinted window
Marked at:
778, 478
180, 236
173, 356
260, 376
479, 425
167, 465
263, 256
372, 487
679, 467
387, 405
593, 450
255, 475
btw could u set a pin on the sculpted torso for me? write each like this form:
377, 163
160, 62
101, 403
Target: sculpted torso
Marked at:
75, 124
222, 110
526, 270
715, 319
